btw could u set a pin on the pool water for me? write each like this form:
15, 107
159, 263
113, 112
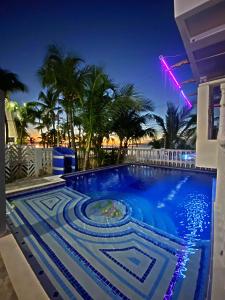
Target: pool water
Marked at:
175, 201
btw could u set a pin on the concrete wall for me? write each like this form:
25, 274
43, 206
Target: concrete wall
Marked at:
183, 6
2, 165
11, 125
218, 283
206, 150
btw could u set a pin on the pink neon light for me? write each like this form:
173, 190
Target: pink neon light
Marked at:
168, 69
162, 59
186, 99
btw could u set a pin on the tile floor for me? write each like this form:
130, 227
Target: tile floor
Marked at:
87, 259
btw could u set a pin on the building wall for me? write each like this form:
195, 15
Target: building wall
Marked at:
11, 125
206, 149
12, 132
218, 283
183, 6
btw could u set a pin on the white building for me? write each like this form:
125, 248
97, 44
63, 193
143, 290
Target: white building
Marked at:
10, 123
202, 27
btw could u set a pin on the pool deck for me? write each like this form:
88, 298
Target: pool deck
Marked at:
19, 280
7, 291
22, 185
85, 259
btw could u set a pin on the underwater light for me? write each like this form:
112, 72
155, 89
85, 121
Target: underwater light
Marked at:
172, 76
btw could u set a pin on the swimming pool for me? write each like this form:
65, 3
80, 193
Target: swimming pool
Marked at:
177, 202
128, 232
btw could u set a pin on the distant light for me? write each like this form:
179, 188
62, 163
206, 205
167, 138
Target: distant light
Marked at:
178, 85
188, 156
12, 104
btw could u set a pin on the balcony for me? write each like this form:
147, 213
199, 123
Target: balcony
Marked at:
202, 27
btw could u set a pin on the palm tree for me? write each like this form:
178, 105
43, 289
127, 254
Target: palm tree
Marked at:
47, 105
23, 114
130, 114
178, 128
94, 104
9, 82
62, 73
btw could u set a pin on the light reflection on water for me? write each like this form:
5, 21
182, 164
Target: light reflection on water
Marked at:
195, 219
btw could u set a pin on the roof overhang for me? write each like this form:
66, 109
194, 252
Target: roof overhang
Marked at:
202, 27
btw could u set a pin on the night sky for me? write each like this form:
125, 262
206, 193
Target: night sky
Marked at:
125, 37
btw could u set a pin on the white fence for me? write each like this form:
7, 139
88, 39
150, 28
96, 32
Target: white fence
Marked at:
166, 157
27, 161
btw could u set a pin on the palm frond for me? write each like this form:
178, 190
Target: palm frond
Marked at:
9, 82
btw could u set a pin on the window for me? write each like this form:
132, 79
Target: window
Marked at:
214, 112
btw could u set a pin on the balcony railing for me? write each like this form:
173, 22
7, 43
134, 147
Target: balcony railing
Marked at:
28, 161
166, 157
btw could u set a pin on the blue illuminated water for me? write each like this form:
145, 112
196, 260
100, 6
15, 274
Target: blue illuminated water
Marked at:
175, 201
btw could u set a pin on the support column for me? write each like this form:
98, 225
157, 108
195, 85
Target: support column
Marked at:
221, 132
2, 165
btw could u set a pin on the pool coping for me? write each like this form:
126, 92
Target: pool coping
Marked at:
197, 170
24, 281
53, 181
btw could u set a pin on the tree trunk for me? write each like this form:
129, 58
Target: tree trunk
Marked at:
79, 134
58, 136
119, 151
68, 128
42, 138
53, 125
87, 152
2, 165
98, 147
126, 143
73, 143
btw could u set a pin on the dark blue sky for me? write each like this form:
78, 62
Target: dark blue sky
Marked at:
125, 37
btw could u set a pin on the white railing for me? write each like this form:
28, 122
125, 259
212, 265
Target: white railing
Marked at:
27, 161
168, 157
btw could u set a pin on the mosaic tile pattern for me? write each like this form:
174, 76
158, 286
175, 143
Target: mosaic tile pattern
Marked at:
85, 259
133, 260
106, 211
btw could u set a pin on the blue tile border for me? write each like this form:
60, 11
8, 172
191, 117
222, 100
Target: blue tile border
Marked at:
194, 170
